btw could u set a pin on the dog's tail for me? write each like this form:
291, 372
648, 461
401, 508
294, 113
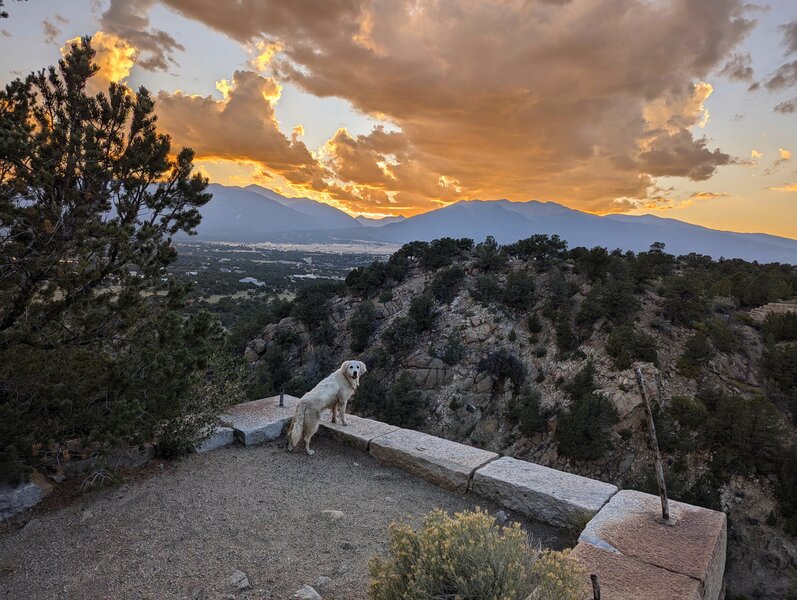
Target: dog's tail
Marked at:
296, 428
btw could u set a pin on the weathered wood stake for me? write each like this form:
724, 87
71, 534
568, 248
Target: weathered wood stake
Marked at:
596, 587
282, 396
665, 507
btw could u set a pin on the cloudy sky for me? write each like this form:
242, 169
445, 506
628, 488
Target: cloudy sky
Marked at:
681, 108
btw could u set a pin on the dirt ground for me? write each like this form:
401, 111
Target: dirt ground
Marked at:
183, 532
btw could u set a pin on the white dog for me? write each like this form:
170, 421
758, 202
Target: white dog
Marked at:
332, 392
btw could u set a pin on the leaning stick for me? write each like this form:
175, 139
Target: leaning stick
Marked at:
665, 507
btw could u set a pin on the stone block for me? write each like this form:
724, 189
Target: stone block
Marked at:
358, 433
221, 436
624, 578
544, 494
260, 421
693, 544
440, 461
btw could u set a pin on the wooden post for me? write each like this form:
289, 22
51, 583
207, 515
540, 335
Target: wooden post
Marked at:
665, 508
596, 587
282, 395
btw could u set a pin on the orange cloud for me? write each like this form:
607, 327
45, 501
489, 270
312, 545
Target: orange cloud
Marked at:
791, 187
583, 102
114, 55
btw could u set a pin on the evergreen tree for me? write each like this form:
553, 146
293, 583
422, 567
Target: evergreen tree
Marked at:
91, 344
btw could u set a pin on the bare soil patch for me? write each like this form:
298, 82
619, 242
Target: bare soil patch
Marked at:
183, 532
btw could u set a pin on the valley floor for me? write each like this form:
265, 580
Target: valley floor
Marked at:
183, 533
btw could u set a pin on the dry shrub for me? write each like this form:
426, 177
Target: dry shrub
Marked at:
468, 557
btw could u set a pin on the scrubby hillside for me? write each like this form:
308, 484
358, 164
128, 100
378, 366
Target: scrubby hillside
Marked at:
529, 349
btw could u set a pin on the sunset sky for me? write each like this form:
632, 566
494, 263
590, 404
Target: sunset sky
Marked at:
680, 108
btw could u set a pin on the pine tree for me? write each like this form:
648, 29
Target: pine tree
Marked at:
92, 345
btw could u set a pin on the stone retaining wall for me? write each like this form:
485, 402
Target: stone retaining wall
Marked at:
635, 555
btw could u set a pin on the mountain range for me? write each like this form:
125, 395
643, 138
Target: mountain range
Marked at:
257, 214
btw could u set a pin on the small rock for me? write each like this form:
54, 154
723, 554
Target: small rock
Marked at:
347, 546
342, 569
500, 517
239, 580
58, 477
470, 408
306, 592
322, 582
333, 515
197, 593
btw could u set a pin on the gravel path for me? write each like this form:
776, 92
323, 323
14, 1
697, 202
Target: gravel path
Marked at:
184, 532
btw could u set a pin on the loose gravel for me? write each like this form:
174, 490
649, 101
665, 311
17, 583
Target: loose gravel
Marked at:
184, 532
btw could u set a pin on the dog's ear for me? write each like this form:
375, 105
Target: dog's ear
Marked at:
344, 366
362, 366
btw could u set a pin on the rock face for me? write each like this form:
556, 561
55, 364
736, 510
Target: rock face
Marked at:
440, 461
693, 545
14, 500
260, 421
358, 433
544, 494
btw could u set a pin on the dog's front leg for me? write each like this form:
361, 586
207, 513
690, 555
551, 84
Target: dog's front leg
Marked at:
334, 409
342, 409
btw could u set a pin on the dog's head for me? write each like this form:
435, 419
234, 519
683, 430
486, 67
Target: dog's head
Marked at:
353, 370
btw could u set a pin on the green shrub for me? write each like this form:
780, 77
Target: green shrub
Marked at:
501, 365
400, 405
519, 290
613, 300
454, 351
697, 352
469, 556
213, 389
362, 325
422, 312
530, 416
489, 256
684, 300
625, 345
399, 337
486, 289
779, 368
442, 252
780, 328
583, 430
566, 339
722, 337
689, 412
385, 296
534, 324
311, 305
446, 283
543, 249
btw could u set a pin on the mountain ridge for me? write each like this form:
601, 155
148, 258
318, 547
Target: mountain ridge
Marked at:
255, 214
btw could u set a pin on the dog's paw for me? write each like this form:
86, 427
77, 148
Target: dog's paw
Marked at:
344, 423
310, 452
